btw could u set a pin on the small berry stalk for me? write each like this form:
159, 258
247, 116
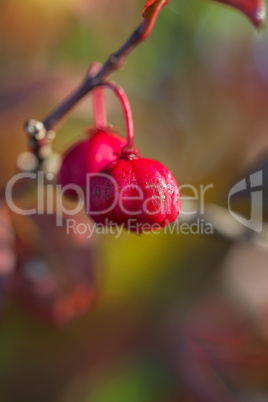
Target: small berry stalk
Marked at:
101, 146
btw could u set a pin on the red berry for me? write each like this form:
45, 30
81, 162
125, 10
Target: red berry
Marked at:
140, 194
89, 156
56, 277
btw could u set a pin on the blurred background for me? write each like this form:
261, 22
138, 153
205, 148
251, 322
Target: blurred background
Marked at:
154, 318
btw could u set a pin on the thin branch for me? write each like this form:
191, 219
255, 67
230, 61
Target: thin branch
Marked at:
114, 62
41, 132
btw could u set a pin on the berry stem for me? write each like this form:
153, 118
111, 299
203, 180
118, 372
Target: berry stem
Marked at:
99, 106
120, 93
100, 115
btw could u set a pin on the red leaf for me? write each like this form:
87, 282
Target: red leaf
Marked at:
152, 7
255, 10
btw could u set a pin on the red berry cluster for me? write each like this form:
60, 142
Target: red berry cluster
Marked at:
119, 185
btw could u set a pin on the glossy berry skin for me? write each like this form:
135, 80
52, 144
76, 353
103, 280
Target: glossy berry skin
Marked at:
140, 194
89, 156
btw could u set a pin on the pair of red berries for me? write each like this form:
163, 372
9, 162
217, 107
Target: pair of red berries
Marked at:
120, 186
